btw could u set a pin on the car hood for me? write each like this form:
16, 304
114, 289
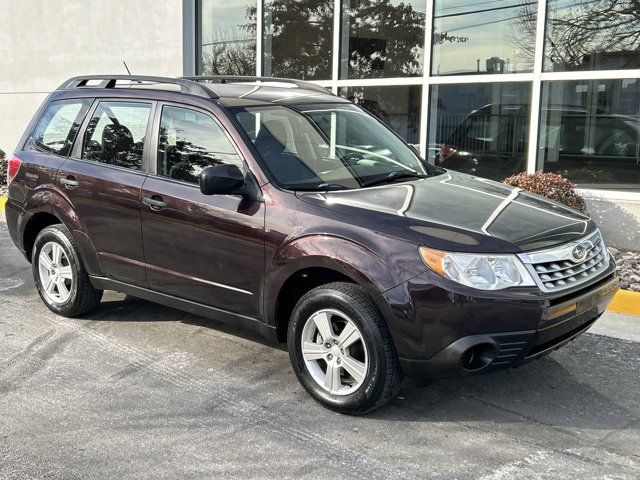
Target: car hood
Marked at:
459, 212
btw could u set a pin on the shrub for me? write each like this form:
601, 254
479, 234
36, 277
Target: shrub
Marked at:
548, 185
3, 168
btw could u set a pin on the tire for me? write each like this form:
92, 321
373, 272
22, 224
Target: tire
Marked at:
75, 296
371, 356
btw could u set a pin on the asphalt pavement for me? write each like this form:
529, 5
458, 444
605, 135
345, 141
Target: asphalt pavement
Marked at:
139, 391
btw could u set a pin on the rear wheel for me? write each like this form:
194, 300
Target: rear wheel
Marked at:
341, 349
60, 277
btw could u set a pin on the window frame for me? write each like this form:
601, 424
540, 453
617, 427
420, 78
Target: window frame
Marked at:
85, 102
78, 146
155, 139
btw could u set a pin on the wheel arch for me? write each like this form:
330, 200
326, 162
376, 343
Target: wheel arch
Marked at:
49, 207
315, 260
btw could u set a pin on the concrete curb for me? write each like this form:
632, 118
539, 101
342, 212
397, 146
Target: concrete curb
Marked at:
3, 200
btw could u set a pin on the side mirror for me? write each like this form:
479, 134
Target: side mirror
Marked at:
222, 179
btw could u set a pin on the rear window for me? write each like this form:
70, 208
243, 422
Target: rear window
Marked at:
58, 127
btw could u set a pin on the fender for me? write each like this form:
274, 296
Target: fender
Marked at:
351, 259
55, 202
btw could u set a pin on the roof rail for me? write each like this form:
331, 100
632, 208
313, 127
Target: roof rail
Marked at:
109, 81
250, 79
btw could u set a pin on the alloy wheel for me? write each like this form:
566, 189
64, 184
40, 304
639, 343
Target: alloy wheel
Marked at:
334, 352
56, 275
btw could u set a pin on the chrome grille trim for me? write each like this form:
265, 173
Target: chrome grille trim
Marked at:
556, 269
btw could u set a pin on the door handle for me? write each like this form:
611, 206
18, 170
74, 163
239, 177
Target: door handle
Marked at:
155, 202
69, 181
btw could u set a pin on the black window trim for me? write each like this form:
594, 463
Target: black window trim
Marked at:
155, 138
76, 150
43, 149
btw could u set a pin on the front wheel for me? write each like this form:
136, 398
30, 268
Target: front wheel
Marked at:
341, 350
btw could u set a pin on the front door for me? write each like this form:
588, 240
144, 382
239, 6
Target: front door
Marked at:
207, 249
102, 179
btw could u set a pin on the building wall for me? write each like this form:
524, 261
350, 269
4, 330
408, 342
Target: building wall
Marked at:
42, 43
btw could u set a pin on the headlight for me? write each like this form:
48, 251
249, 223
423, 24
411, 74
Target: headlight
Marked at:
482, 271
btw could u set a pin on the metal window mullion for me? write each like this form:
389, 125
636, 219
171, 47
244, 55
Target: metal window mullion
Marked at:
189, 33
259, 22
426, 72
335, 60
536, 88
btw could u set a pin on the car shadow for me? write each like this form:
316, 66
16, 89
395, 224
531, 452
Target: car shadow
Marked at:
592, 383
116, 307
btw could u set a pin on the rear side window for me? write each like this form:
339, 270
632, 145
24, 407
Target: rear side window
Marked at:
189, 142
116, 133
58, 127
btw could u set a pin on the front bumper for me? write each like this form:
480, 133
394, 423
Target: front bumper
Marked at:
451, 334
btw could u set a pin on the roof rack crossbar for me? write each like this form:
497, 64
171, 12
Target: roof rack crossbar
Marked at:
251, 79
110, 81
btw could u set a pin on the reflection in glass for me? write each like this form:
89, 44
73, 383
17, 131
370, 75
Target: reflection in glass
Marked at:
590, 132
189, 142
226, 37
115, 134
592, 35
483, 37
398, 107
58, 127
326, 146
298, 39
480, 129
382, 38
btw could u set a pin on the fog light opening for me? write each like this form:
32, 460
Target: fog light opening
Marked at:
477, 357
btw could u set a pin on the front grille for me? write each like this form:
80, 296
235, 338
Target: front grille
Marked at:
560, 267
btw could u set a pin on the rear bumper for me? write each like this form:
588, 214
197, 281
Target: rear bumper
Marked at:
558, 322
16, 219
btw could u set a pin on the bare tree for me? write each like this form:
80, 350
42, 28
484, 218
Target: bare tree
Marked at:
587, 32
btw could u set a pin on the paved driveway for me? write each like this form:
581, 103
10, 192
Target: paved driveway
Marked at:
140, 391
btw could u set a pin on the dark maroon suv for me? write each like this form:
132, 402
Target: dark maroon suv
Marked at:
277, 206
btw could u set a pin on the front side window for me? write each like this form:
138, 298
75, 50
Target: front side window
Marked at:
115, 134
58, 127
327, 146
191, 141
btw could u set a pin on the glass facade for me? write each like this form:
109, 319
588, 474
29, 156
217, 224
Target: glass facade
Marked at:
226, 40
480, 128
483, 37
590, 132
490, 88
298, 39
382, 38
592, 35
396, 106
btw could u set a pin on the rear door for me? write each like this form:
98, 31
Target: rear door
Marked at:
205, 248
103, 179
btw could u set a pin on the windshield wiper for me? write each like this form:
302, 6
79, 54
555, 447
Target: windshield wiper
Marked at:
393, 176
321, 187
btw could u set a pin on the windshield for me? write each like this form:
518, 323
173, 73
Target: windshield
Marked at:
327, 146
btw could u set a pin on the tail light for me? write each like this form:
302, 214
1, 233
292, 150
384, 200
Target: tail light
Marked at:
446, 151
12, 168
